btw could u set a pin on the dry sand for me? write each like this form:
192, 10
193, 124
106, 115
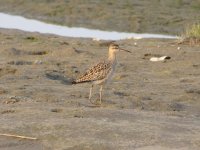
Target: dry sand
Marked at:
147, 106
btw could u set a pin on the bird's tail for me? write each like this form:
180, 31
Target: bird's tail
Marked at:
78, 82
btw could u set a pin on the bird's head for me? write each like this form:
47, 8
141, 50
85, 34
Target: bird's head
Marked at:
115, 48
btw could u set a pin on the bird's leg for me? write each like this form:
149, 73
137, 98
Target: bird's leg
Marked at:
100, 93
90, 96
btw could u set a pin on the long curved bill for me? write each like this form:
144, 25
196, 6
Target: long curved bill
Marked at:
125, 50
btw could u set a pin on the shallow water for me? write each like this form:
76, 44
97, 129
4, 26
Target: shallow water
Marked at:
30, 25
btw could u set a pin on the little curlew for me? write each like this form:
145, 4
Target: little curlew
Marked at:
101, 73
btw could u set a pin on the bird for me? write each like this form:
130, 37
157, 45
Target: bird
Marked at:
101, 73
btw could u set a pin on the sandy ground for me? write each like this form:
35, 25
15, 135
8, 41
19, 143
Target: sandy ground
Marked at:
147, 106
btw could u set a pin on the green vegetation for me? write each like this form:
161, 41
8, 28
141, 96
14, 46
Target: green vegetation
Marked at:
192, 35
193, 31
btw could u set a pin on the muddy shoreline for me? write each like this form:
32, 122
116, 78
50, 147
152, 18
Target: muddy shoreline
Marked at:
148, 105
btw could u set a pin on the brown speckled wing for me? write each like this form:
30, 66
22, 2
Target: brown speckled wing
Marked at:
95, 73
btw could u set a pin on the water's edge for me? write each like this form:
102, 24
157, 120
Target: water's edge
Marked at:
30, 25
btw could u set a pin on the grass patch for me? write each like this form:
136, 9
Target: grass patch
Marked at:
193, 31
192, 34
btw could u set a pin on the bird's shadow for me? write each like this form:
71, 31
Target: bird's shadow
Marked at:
55, 75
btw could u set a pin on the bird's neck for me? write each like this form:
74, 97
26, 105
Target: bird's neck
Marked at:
112, 56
